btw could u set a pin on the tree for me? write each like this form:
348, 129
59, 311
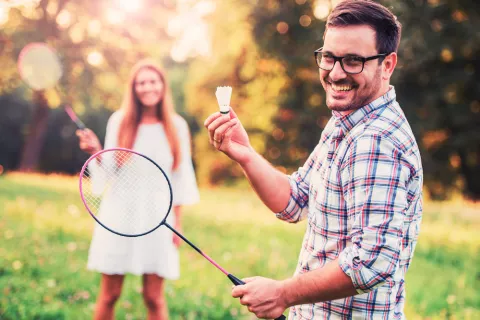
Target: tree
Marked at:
438, 55
440, 65
97, 48
256, 80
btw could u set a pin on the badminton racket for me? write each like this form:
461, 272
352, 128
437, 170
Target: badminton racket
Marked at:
127, 193
40, 68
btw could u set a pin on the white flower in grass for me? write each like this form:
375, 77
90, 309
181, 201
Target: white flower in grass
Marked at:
51, 283
451, 299
71, 246
17, 265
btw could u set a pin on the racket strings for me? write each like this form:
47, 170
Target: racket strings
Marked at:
126, 192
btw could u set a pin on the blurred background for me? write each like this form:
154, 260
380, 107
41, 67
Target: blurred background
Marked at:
264, 50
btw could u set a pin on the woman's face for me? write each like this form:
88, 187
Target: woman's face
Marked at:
149, 87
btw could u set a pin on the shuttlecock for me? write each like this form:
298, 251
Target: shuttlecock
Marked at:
223, 97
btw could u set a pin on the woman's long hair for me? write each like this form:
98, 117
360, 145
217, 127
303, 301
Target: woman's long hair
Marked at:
132, 112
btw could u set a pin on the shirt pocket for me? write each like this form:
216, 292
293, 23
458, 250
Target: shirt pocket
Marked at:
331, 219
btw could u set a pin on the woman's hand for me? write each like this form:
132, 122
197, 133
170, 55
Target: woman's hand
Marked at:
88, 141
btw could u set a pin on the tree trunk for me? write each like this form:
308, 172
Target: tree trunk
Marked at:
471, 173
36, 134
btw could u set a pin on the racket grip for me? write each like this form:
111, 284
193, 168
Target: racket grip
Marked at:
238, 282
80, 125
235, 280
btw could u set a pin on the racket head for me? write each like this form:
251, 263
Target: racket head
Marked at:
39, 66
126, 192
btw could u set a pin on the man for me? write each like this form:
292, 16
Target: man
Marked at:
360, 189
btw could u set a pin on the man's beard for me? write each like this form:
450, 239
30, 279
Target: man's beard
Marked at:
357, 102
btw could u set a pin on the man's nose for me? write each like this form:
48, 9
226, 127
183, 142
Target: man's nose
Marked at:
337, 72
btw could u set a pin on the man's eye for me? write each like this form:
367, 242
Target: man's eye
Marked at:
352, 60
327, 57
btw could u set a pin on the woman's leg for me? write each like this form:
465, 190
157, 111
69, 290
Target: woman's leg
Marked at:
153, 295
110, 290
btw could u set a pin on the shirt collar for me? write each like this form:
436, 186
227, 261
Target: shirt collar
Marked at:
347, 122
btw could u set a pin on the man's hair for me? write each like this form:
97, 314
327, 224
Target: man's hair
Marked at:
365, 12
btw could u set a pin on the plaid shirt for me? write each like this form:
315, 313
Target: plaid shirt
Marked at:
361, 193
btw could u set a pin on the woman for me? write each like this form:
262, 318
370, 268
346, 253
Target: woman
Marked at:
146, 123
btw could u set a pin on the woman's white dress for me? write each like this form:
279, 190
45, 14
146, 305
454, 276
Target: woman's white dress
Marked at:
155, 252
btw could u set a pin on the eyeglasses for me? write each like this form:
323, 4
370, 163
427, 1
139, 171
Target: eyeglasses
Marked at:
350, 64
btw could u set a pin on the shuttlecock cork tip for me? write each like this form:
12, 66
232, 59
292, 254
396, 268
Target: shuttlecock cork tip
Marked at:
223, 98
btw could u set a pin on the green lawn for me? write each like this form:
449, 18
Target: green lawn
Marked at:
45, 233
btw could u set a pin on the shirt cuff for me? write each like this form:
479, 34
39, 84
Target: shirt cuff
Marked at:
292, 212
349, 262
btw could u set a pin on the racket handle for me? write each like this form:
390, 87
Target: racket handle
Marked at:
80, 125
235, 280
238, 282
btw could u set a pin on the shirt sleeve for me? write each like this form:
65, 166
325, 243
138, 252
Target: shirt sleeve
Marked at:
184, 183
374, 182
297, 207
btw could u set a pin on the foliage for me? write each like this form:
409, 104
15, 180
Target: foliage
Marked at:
437, 59
256, 81
439, 54
97, 50
45, 233
264, 49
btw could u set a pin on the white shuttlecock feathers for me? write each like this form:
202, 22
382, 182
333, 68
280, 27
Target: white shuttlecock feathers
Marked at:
223, 97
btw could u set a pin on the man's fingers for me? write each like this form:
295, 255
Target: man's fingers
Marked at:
211, 118
232, 114
219, 134
247, 280
244, 300
238, 291
213, 126
217, 122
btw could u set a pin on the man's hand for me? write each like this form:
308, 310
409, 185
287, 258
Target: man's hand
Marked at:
227, 134
263, 297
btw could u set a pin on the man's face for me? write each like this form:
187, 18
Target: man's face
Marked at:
347, 92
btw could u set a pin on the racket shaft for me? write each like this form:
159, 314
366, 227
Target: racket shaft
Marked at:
80, 125
197, 249
230, 276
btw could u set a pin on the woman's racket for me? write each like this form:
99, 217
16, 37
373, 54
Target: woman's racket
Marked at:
40, 67
80, 125
128, 194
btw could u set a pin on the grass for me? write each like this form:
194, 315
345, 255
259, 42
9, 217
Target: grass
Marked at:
45, 233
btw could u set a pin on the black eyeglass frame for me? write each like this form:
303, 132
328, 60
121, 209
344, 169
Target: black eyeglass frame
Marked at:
340, 59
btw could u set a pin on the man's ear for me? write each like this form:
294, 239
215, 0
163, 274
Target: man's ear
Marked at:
388, 65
